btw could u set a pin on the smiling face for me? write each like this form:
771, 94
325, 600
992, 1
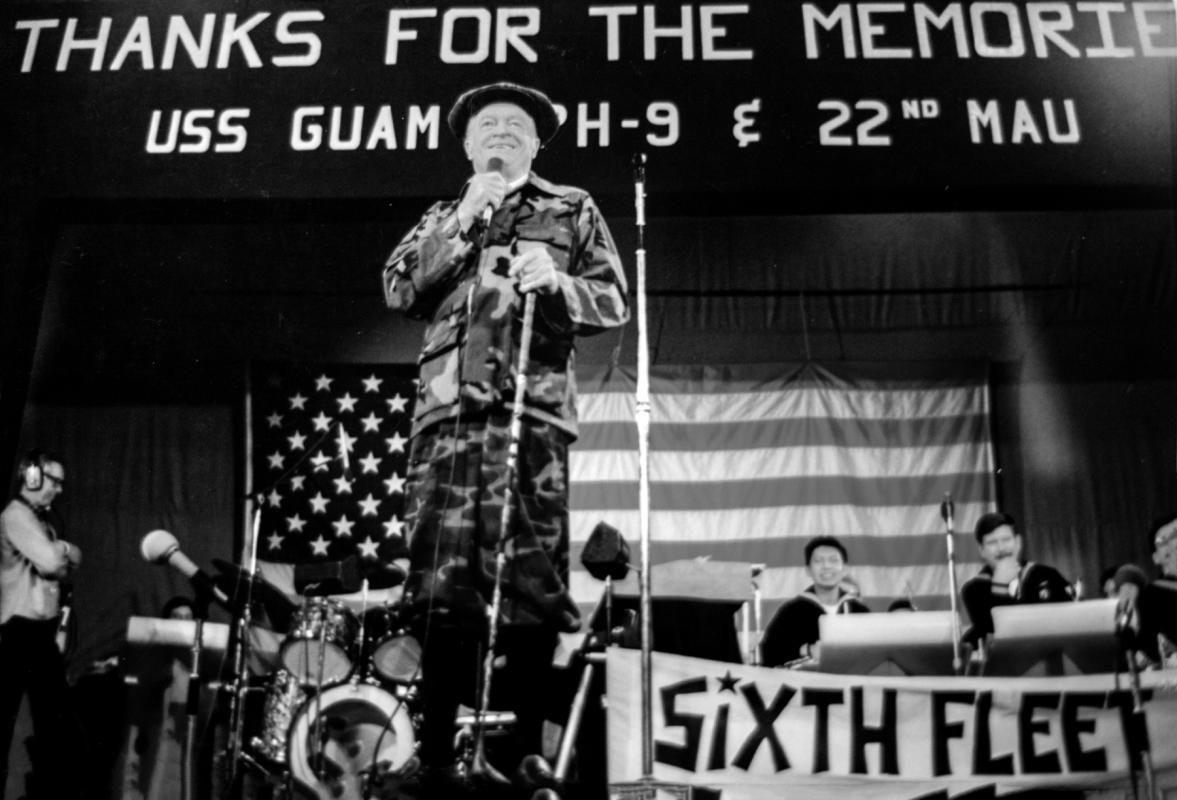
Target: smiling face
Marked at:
826, 567
999, 544
504, 131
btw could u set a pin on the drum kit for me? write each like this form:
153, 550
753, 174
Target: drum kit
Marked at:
341, 708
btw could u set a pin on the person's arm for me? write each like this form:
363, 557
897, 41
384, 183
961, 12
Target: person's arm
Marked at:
591, 296
26, 534
427, 263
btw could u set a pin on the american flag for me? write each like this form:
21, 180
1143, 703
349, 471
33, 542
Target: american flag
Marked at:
329, 449
749, 462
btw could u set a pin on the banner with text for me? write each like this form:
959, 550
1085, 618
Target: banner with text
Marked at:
214, 98
749, 733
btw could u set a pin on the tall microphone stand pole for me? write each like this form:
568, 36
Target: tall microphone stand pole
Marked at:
642, 418
240, 670
947, 511
1139, 744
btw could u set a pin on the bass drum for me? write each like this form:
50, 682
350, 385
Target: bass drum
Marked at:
346, 736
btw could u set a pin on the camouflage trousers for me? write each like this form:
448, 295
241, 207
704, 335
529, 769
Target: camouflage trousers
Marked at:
454, 505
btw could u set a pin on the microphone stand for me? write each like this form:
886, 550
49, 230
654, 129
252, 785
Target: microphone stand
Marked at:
642, 418
192, 700
1139, 746
947, 512
240, 670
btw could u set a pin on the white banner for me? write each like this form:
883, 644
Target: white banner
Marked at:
745, 733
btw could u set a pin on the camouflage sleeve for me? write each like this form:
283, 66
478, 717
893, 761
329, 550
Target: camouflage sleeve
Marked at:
425, 265
592, 296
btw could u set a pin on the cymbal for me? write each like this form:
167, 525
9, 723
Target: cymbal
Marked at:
236, 582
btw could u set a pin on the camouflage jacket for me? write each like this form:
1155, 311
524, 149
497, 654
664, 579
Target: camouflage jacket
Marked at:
439, 274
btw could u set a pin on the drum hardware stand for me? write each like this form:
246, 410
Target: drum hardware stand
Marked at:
947, 511
474, 765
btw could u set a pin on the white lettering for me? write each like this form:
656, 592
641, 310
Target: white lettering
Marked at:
685, 32
34, 27
584, 124
811, 15
199, 53
396, 35
953, 16
383, 131
232, 34
429, 122
311, 41
71, 42
710, 32
1043, 29
236, 134
507, 33
612, 15
481, 51
1107, 35
980, 118
868, 31
981, 43
137, 40
306, 135
1148, 30
153, 143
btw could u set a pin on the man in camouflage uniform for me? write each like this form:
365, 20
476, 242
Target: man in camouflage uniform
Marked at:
466, 267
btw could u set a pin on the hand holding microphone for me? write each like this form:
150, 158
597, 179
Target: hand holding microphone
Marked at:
484, 193
161, 547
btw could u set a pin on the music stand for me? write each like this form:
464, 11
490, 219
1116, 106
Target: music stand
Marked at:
1066, 638
915, 643
690, 596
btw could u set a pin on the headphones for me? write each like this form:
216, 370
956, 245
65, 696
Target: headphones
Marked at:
33, 471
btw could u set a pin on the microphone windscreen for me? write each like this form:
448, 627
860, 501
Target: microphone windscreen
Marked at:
158, 545
1130, 573
606, 553
495, 164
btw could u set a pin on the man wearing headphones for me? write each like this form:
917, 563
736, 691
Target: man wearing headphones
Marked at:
33, 565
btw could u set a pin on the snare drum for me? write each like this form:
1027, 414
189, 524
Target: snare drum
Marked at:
320, 646
348, 732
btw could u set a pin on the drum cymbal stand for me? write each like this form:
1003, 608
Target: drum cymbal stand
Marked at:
478, 769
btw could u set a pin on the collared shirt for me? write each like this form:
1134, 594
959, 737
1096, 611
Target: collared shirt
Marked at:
440, 273
32, 559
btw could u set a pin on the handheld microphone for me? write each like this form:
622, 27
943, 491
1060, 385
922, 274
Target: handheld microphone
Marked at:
495, 164
161, 547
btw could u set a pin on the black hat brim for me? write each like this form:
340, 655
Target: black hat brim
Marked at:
537, 105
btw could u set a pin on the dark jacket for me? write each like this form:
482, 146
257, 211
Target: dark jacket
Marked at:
1036, 583
439, 274
795, 625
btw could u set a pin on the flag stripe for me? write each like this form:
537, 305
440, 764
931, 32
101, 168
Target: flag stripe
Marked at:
796, 432
800, 403
773, 492
765, 462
